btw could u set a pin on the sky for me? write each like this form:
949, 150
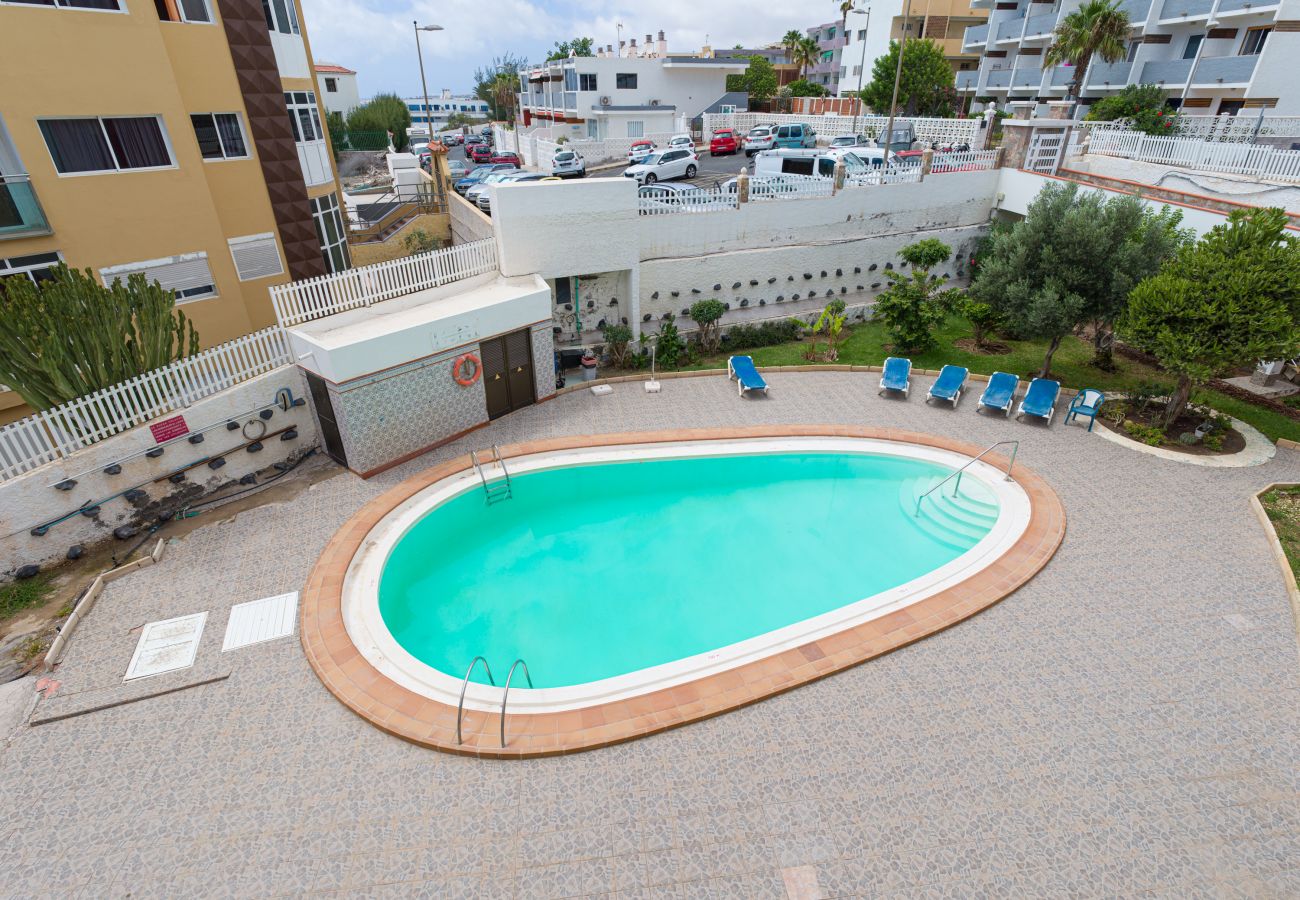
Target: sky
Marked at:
375, 37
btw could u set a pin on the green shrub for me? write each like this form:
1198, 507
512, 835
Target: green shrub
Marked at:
670, 349
707, 314
1214, 440
1144, 106
1147, 434
617, 338
765, 334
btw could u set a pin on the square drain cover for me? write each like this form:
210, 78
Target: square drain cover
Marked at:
166, 646
261, 620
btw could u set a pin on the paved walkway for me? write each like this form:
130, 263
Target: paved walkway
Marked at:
1127, 724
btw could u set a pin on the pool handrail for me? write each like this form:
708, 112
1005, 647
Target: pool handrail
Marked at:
460, 707
506, 696
969, 462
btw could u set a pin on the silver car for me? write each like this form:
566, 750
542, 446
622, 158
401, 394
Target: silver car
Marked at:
568, 164
759, 138
484, 200
477, 190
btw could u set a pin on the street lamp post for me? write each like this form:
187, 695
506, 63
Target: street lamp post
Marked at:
898, 75
862, 68
428, 111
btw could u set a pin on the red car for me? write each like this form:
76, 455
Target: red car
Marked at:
480, 153
506, 156
724, 143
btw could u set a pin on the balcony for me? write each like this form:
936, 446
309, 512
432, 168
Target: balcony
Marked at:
998, 78
1062, 76
1168, 72
1038, 27
1104, 76
1220, 70
1184, 10
1137, 10
976, 35
1026, 79
20, 212
1009, 29
571, 101
967, 80
1246, 6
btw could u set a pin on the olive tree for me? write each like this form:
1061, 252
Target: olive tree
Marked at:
707, 314
1231, 297
913, 306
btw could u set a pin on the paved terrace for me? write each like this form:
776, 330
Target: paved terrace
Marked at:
1127, 724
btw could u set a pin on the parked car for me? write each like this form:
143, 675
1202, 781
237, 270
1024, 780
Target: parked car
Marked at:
453, 140
639, 151
506, 156
568, 164
458, 168
473, 139
480, 153
760, 137
478, 174
484, 200
724, 143
852, 140
476, 190
658, 199
664, 166
797, 135
681, 142
817, 163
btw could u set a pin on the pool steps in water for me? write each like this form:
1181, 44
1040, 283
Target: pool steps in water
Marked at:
956, 521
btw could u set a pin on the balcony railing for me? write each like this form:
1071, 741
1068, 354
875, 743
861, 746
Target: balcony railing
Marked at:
20, 212
1137, 10
1026, 78
1227, 6
1225, 70
998, 78
1104, 75
1062, 76
1169, 71
1041, 26
1185, 9
976, 34
967, 80
1009, 29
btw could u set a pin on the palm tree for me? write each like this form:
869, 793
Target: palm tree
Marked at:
805, 54
846, 7
1098, 28
790, 41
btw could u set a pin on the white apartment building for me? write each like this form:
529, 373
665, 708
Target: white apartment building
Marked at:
338, 88
871, 26
441, 108
641, 92
1213, 57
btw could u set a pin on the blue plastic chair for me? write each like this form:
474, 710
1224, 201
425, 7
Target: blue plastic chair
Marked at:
747, 378
1040, 399
1086, 403
1001, 392
948, 385
896, 375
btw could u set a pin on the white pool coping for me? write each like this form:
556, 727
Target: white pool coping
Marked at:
366, 627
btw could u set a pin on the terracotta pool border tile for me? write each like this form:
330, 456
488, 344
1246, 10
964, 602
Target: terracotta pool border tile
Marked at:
420, 720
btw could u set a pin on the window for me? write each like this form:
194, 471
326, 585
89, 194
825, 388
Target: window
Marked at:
563, 291
1193, 44
304, 118
219, 135
106, 144
255, 256
332, 87
183, 10
857, 70
331, 232
587, 82
625, 81
1231, 107
636, 129
38, 266
1133, 47
1254, 41
187, 275
862, 34
104, 5
570, 80
281, 16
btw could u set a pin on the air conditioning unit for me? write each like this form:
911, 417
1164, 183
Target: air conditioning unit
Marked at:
654, 102
604, 101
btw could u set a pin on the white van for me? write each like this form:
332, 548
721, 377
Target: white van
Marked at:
818, 163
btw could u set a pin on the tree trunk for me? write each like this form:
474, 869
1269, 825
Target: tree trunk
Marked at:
1178, 402
1047, 360
1103, 345
979, 335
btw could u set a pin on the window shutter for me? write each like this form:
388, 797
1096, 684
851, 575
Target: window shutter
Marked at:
178, 273
256, 256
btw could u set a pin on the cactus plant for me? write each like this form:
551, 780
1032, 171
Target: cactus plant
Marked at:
69, 335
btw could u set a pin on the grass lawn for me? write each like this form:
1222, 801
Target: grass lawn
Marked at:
865, 346
20, 595
1283, 508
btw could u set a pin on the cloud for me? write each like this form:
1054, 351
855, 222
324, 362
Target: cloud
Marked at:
375, 36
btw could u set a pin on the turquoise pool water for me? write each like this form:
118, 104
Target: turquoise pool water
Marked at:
600, 570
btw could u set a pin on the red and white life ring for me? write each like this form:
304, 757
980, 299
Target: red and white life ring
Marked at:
458, 370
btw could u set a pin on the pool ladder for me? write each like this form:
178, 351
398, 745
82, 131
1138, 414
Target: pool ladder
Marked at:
496, 490
505, 696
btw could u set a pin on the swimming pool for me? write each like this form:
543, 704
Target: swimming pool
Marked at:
615, 571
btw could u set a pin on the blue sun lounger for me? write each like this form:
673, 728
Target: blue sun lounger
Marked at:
1040, 399
747, 378
948, 385
896, 375
1001, 392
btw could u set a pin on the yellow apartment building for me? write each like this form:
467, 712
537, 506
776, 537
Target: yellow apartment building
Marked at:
870, 28
178, 138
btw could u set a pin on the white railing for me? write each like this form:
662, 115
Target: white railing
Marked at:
315, 298
1243, 128
885, 175
665, 201
790, 187
1256, 160
46, 436
944, 131
966, 161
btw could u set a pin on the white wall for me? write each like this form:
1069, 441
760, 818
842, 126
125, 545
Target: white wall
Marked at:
29, 499
880, 22
290, 55
1236, 189
567, 228
344, 98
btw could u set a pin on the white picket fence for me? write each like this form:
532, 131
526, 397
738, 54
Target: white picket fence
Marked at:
62, 430
324, 295
1242, 128
1256, 160
944, 131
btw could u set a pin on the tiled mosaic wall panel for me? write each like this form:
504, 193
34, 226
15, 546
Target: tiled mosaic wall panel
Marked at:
543, 360
387, 416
